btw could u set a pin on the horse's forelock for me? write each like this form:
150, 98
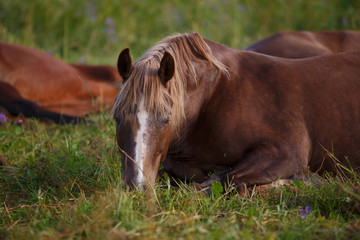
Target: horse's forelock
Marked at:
144, 80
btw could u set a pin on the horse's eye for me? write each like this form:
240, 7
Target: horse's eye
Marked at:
164, 120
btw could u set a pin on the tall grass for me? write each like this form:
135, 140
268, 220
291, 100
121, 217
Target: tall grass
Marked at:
95, 31
64, 182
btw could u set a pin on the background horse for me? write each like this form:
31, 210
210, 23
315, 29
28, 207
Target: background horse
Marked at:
13, 103
201, 107
51, 88
293, 44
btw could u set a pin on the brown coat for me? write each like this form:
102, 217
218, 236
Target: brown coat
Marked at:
52, 85
302, 44
269, 118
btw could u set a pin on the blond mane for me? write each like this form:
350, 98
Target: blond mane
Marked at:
144, 80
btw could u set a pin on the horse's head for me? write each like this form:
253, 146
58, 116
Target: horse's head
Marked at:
143, 132
159, 95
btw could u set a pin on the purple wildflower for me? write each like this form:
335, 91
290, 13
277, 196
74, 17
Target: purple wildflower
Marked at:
109, 21
302, 215
20, 121
307, 212
2, 118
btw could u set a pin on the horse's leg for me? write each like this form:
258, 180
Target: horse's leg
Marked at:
206, 186
183, 171
307, 179
264, 163
269, 162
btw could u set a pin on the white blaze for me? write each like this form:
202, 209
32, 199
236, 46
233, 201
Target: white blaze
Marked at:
140, 141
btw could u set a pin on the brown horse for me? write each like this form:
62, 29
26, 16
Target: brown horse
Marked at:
293, 44
13, 103
200, 107
47, 88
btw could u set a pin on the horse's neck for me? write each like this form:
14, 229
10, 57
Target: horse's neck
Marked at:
208, 85
221, 52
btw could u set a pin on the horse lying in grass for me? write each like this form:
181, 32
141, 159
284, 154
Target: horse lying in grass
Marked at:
38, 85
293, 44
12, 102
201, 108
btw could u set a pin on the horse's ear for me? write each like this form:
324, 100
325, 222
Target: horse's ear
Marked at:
124, 64
167, 68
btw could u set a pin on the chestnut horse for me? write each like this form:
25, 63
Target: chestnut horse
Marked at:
199, 107
302, 44
41, 86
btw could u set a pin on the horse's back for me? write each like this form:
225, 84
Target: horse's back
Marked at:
21, 67
17, 56
99, 73
339, 41
302, 44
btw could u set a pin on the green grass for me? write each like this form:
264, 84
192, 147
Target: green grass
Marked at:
96, 31
64, 182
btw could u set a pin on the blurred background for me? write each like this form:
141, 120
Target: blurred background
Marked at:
95, 31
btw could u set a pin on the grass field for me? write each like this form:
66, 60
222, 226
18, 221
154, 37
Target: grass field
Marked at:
64, 182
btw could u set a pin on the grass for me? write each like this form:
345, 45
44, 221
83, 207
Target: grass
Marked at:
96, 31
64, 182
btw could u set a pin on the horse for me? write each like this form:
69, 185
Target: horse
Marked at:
13, 103
39, 85
302, 44
206, 111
